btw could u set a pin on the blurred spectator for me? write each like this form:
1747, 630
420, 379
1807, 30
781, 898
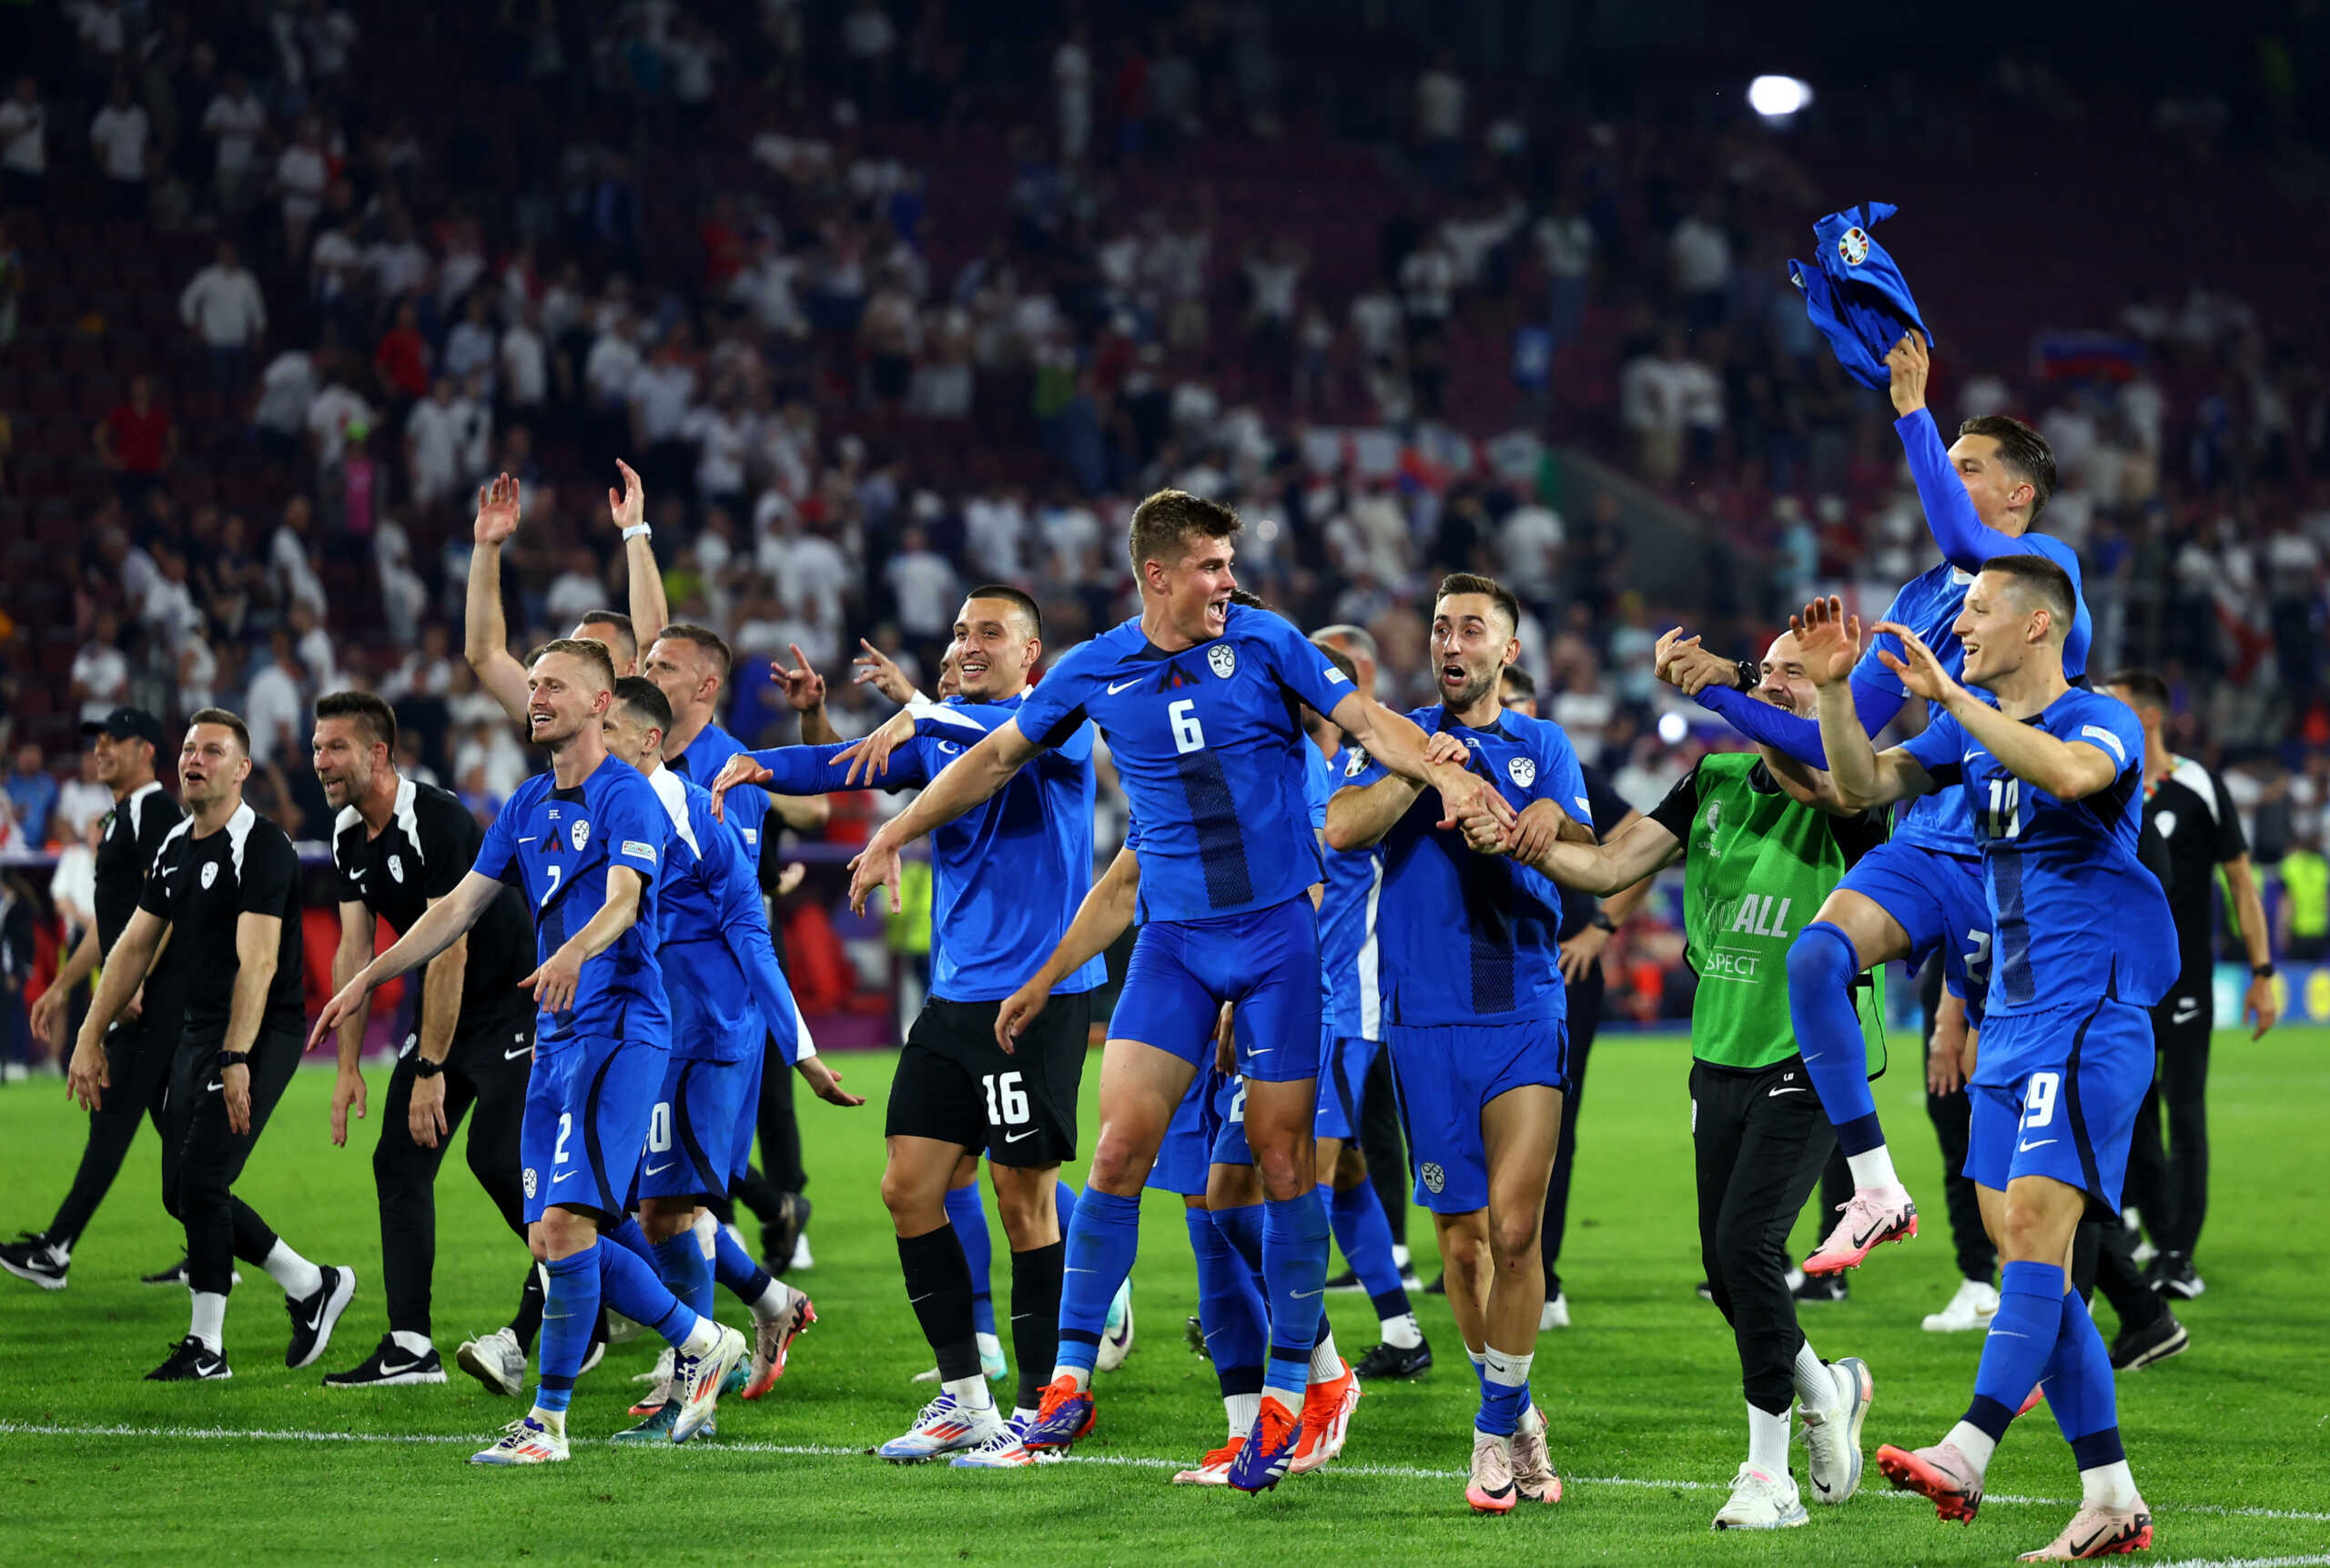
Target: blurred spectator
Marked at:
1698, 257
119, 137
136, 442
223, 306
33, 790
1439, 119
100, 676
433, 437
23, 146
286, 392
83, 801
276, 706
1072, 88
1565, 248
402, 357
303, 175
234, 122
12, 284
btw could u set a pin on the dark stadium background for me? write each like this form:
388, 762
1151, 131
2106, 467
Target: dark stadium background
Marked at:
955, 322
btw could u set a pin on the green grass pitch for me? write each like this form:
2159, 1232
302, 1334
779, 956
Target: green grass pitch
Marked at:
2231, 1442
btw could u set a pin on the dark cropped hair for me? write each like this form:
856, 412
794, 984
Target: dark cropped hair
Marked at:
366, 709
2022, 450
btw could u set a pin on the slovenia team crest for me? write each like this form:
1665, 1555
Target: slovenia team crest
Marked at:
581, 835
1223, 658
1523, 770
396, 868
210, 872
1434, 1178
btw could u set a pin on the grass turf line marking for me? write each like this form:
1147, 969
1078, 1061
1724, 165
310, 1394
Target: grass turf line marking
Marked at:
1142, 1461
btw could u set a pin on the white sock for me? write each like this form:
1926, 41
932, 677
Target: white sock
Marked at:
1816, 1385
410, 1343
707, 1233
773, 1302
1767, 1442
299, 1278
701, 1339
1288, 1400
552, 1421
1508, 1369
1243, 1409
1399, 1258
1082, 1376
1874, 1168
209, 1320
1023, 1414
990, 1347
1480, 1360
1975, 1443
1401, 1333
1326, 1366
2108, 1486
970, 1392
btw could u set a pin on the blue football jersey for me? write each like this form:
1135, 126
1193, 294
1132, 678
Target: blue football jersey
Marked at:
2075, 916
558, 845
747, 809
1930, 605
1008, 874
1347, 917
1210, 746
719, 963
1440, 899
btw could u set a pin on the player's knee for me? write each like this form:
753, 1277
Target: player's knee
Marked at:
2027, 1233
1513, 1239
914, 1204
1350, 1167
1820, 960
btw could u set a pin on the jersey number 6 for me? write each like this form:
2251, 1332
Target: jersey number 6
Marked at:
1189, 735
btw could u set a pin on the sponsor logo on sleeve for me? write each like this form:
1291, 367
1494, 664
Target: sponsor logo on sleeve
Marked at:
633, 849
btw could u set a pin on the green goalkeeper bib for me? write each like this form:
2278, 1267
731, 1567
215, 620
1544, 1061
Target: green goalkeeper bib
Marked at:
1756, 869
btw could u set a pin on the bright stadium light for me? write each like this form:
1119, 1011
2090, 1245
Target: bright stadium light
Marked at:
1778, 97
1672, 728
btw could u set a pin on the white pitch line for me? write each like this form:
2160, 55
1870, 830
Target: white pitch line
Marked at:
1144, 1462
2314, 1561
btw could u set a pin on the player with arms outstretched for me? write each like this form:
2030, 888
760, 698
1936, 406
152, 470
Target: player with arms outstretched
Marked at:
2054, 780
1920, 890
1197, 699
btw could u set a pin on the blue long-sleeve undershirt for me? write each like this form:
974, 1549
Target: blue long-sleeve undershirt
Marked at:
1966, 541
1783, 730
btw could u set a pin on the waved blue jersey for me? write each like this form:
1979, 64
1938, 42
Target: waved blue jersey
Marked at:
1347, 940
2074, 916
747, 809
720, 968
1210, 746
1930, 605
1008, 874
558, 845
1441, 900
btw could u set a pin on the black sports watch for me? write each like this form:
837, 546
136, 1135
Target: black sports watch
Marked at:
2263, 971
234, 1059
422, 1067
1748, 675
1602, 922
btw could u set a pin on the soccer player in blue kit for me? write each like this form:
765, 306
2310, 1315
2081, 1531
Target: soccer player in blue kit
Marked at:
1922, 889
1477, 1041
1008, 878
2084, 946
1198, 700
588, 841
725, 990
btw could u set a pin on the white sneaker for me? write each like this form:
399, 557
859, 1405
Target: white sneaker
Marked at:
1759, 1501
1003, 1451
621, 1330
802, 1262
1533, 1461
524, 1442
1115, 1339
1832, 1436
944, 1426
496, 1362
1976, 1303
1554, 1314
697, 1381
661, 1370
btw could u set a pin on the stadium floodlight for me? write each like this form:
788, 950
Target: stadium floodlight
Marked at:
1672, 728
1778, 97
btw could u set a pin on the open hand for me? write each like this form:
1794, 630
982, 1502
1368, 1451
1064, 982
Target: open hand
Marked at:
1828, 640
804, 689
497, 510
876, 865
628, 507
871, 756
1919, 671
739, 769
826, 1083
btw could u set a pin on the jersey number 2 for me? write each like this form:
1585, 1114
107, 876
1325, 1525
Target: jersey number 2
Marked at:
2005, 816
1189, 735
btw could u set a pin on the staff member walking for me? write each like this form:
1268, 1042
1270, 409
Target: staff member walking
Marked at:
226, 891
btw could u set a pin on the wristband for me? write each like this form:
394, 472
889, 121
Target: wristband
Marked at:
2262, 971
422, 1067
637, 531
1602, 922
233, 1059
1748, 675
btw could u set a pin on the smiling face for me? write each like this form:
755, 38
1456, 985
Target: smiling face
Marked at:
563, 693
118, 762
1784, 684
1471, 642
346, 755
1997, 629
212, 765
995, 648
1194, 591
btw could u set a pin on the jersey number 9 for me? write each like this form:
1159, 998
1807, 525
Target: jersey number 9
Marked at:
1189, 735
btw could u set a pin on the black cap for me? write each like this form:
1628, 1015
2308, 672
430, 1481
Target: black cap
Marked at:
126, 724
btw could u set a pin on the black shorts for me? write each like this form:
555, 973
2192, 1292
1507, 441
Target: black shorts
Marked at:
487, 1049
955, 1084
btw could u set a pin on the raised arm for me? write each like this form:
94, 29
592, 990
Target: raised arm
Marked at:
804, 693
439, 926
2068, 770
1966, 541
971, 778
1099, 920
485, 639
1829, 643
650, 611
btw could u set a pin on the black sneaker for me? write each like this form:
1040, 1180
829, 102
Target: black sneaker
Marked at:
782, 1235
1391, 1361
1822, 1288
1439, 1286
2155, 1343
389, 1365
1703, 1291
30, 1257
173, 1275
314, 1317
1194, 1333
2172, 1272
191, 1361
1346, 1280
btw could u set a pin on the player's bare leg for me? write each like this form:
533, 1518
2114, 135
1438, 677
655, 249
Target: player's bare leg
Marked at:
1520, 1132
1851, 934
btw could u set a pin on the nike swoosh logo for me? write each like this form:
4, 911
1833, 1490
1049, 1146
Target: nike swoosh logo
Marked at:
1121, 687
1306, 1295
1016, 1136
216, 1087
561, 1176
520, 1051
1262, 1050
1073, 1270
1777, 1092
659, 1170
2027, 1148
531, 838
1862, 1240
925, 1295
